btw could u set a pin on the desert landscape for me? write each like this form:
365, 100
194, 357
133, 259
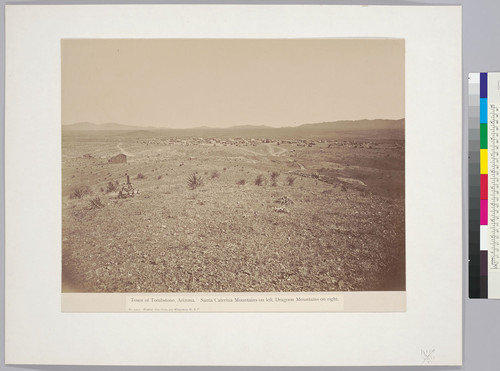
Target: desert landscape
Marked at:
316, 207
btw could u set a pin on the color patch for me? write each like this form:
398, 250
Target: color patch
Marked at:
483, 161
483, 111
484, 136
484, 212
483, 238
484, 186
483, 262
483, 83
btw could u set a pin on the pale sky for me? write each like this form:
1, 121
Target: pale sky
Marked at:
227, 82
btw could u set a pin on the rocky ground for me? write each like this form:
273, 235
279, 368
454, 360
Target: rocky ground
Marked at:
331, 220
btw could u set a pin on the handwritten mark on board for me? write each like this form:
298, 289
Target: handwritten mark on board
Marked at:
427, 355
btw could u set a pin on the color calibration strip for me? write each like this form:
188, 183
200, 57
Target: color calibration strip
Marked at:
484, 185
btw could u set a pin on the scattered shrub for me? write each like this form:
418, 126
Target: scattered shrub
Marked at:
80, 191
284, 200
159, 177
215, 174
274, 178
96, 203
241, 182
112, 186
141, 176
260, 180
281, 210
194, 181
290, 179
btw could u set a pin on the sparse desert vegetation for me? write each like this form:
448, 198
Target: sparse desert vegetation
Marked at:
112, 186
80, 191
274, 178
96, 203
291, 213
194, 181
260, 180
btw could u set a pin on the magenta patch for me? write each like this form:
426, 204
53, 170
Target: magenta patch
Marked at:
484, 212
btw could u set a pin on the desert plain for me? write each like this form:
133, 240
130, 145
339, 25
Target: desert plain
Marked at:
313, 208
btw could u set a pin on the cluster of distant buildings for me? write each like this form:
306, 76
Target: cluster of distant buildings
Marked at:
122, 158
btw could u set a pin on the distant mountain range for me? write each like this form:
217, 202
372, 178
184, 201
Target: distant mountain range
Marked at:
346, 125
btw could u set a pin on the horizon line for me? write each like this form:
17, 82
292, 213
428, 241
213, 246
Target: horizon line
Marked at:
227, 127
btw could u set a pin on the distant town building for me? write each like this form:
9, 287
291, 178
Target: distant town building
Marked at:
118, 159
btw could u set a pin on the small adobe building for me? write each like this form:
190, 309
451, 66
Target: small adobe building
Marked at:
118, 159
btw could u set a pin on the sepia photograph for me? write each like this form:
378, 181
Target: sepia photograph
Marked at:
233, 165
